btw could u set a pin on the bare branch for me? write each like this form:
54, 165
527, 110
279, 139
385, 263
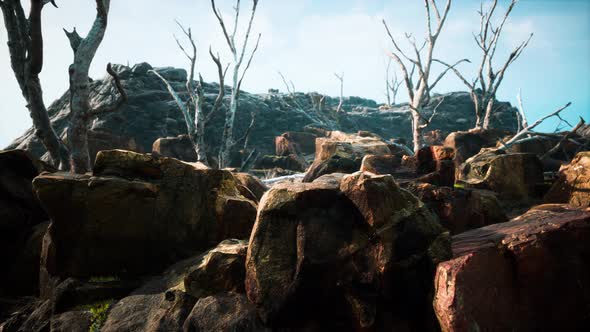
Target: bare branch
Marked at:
521, 109
222, 24
221, 76
528, 129
122, 100
565, 138
453, 67
181, 105
249, 62
247, 36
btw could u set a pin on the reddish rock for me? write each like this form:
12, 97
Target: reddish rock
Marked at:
460, 210
573, 183
290, 162
529, 274
295, 143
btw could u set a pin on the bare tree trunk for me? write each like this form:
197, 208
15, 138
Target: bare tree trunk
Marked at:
25, 45
417, 131
228, 141
80, 111
488, 114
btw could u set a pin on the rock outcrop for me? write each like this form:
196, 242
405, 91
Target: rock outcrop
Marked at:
467, 144
514, 176
151, 114
460, 210
339, 152
344, 252
573, 184
137, 214
529, 274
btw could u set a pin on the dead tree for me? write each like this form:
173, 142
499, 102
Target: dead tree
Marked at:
484, 87
341, 102
419, 92
238, 54
25, 45
196, 120
81, 113
392, 85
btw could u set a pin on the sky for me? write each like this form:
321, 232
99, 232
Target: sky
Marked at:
310, 40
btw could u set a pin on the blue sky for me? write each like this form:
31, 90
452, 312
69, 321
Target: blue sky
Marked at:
309, 40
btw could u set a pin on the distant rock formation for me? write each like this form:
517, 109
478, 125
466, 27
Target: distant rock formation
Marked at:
151, 114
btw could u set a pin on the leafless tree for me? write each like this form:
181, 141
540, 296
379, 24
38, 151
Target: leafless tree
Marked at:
484, 87
392, 85
81, 113
196, 121
25, 45
238, 54
341, 102
422, 60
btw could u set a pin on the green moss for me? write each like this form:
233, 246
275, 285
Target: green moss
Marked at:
99, 311
459, 186
103, 279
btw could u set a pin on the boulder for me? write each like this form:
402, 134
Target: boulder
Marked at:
137, 214
20, 217
220, 269
514, 176
179, 147
385, 164
250, 186
164, 302
224, 312
343, 252
460, 210
298, 143
573, 183
467, 144
529, 274
71, 321
343, 153
290, 162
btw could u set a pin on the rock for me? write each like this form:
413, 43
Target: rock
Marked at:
221, 269
467, 144
298, 143
179, 147
250, 186
151, 113
339, 252
514, 176
137, 214
343, 153
460, 210
224, 312
573, 183
528, 274
165, 301
291, 162
71, 321
20, 215
385, 164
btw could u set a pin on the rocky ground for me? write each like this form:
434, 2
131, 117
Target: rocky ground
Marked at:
460, 237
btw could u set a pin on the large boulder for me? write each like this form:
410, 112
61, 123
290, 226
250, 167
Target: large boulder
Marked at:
343, 153
250, 186
460, 210
179, 147
20, 217
529, 274
344, 252
514, 176
137, 214
165, 302
290, 162
573, 183
468, 143
224, 312
298, 143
